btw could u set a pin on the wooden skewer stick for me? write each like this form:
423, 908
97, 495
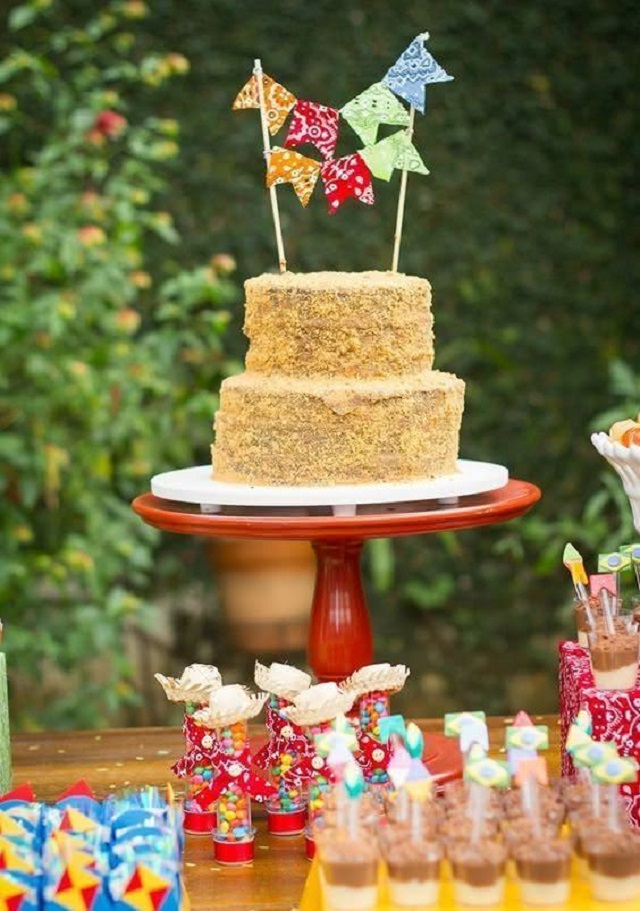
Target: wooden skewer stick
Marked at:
257, 72
401, 199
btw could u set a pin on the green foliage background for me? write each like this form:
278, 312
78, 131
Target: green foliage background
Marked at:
527, 228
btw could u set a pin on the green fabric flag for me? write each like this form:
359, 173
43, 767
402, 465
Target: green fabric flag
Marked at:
396, 152
370, 108
381, 157
408, 157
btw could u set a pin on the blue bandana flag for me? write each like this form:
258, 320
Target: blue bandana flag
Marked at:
414, 69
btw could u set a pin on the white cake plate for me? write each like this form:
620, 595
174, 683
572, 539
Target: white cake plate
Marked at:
195, 485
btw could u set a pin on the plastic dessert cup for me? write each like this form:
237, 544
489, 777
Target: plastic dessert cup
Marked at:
614, 660
544, 871
348, 870
478, 873
613, 860
413, 871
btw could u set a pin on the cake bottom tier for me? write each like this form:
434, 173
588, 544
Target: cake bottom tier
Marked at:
279, 431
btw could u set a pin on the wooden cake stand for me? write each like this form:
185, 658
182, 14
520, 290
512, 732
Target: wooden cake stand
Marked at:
340, 639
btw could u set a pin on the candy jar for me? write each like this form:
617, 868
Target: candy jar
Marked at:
372, 687
285, 747
233, 784
314, 710
196, 766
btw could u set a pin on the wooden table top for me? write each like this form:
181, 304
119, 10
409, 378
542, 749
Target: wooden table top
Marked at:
112, 759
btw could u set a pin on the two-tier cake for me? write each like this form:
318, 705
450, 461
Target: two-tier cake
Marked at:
339, 386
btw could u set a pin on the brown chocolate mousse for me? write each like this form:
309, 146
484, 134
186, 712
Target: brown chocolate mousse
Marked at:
613, 854
410, 861
543, 860
609, 653
479, 863
348, 861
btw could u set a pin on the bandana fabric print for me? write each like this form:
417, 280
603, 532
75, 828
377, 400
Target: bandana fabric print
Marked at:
301, 172
414, 69
316, 124
278, 101
344, 178
370, 108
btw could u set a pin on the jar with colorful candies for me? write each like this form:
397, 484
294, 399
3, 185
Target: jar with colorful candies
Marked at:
198, 766
320, 777
233, 812
287, 745
371, 708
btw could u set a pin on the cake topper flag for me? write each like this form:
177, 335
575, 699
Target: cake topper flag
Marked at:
413, 70
301, 172
344, 178
315, 124
276, 102
394, 152
370, 108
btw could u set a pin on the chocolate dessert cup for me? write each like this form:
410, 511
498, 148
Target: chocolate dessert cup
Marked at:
478, 872
614, 659
348, 870
414, 870
544, 870
613, 859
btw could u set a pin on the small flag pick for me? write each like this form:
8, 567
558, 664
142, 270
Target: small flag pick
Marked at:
535, 769
535, 737
633, 550
453, 721
614, 563
414, 740
488, 772
599, 582
389, 725
522, 720
473, 731
577, 737
399, 765
573, 561
594, 753
614, 772
617, 770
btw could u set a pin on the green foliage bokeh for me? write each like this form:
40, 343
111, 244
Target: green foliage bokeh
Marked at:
527, 228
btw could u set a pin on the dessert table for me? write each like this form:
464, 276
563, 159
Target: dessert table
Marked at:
114, 759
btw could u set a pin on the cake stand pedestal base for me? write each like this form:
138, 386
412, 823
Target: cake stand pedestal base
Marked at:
340, 639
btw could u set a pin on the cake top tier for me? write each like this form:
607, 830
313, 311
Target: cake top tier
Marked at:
352, 325
335, 281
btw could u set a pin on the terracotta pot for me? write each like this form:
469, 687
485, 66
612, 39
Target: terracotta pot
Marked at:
265, 590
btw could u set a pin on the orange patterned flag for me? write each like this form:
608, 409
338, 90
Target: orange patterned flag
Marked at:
286, 166
278, 101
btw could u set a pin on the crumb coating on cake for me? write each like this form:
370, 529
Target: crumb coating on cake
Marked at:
280, 431
347, 324
338, 387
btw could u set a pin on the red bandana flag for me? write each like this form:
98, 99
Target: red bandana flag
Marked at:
346, 177
316, 124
